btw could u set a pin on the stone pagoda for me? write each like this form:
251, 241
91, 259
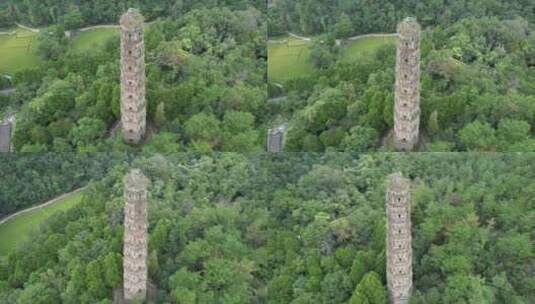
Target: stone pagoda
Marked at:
398, 239
135, 236
407, 90
133, 105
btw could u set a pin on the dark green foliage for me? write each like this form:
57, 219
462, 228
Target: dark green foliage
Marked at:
33, 178
476, 84
293, 228
205, 87
352, 17
476, 93
321, 55
369, 290
51, 42
74, 13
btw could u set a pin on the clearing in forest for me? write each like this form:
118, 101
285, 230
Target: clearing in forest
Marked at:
288, 57
365, 45
16, 230
17, 51
91, 38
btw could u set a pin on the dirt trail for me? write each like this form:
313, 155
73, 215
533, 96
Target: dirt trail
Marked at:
4, 220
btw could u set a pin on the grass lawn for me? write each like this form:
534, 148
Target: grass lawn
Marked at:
15, 231
88, 39
290, 60
366, 45
17, 51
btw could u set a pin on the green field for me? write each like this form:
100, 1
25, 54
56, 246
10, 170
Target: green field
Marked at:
17, 51
366, 45
290, 60
89, 39
15, 231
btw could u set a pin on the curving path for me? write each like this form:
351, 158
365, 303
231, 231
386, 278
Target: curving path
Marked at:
299, 37
35, 30
349, 38
4, 220
278, 41
372, 35
83, 29
8, 33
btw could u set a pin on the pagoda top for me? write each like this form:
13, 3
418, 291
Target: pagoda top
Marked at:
132, 19
136, 180
397, 183
409, 26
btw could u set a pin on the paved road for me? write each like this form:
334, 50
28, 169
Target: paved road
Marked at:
4, 220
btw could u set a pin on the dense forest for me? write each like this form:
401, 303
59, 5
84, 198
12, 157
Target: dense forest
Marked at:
206, 84
32, 178
293, 228
351, 17
477, 92
274, 228
206, 88
77, 13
